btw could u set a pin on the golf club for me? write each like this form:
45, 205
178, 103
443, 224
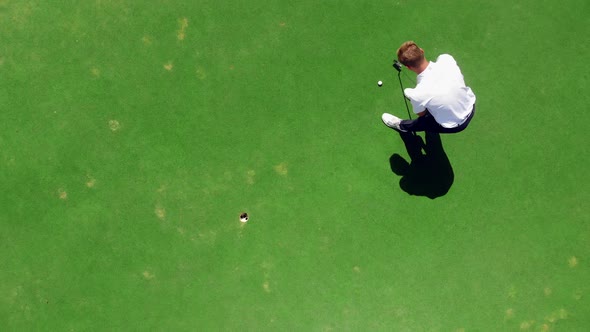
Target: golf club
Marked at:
398, 67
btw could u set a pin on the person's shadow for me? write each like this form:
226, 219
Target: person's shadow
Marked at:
427, 174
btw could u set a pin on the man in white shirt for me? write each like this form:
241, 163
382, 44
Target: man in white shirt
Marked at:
440, 99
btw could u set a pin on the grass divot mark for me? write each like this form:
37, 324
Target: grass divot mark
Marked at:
160, 212
91, 182
527, 325
573, 261
281, 169
63, 195
547, 291
201, 74
168, 65
146, 40
148, 275
181, 34
250, 176
509, 314
95, 72
266, 286
114, 125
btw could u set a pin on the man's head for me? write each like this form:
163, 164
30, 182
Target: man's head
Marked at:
412, 56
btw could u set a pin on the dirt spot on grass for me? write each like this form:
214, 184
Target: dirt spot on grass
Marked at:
281, 169
547, 291
201, 73
526, 325
148, 275
95, 72
545, 327
509, 313
90, 182
266, 286
356, 269
168, 66
511, 292
572, 261
160, 212
557, 315
250, 176
577, 295
114, 125
62, 194
146, 40
181, 33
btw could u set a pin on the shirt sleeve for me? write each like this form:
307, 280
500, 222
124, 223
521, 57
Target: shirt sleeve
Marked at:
417, 105
446, 59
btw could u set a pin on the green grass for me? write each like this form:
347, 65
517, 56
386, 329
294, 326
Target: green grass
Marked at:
130, 142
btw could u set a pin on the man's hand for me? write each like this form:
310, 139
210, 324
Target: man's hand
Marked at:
423, 113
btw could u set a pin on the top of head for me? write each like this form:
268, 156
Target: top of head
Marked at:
410, 54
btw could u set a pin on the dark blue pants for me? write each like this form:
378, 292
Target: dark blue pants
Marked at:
427, 123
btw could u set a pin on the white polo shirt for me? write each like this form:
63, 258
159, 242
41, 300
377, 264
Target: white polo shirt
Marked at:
441, 89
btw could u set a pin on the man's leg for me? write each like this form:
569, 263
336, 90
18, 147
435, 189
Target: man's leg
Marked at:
422, 123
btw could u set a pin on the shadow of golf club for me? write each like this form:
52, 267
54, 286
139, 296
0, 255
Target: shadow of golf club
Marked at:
429, 172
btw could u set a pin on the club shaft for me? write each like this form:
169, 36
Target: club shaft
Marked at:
403, 94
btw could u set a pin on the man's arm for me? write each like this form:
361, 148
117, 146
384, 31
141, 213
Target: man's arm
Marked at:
423, 113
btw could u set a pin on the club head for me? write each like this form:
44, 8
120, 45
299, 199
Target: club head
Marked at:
397, 65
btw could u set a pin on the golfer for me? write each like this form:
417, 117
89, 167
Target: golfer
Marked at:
440, 99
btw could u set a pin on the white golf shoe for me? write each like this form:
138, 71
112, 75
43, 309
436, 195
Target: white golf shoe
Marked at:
392, 121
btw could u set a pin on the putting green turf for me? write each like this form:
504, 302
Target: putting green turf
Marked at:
133, 134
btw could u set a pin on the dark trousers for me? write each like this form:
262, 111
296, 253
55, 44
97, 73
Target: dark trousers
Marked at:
427, 123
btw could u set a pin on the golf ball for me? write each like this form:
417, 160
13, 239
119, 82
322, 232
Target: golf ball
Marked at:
244, 217
379, 83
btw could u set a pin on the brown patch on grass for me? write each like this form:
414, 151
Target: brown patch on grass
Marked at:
282, 24
90, 181
557, 315
527, 324
512, 292
146, 40
577, 295
201, 74
509, 313
181, 34
547, 291
281, 169
356, 269
572, 261
114, 125
62, 194
95, 72
545, 327
148, 275
168, 65
250, 176
266, 286
160, 212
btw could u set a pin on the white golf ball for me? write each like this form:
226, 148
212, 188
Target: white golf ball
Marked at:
244, 217
379, 83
